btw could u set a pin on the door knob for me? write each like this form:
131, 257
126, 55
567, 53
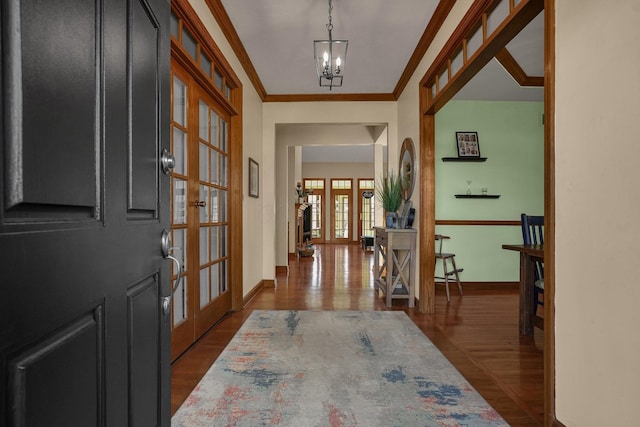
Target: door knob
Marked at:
167, 161
201, 204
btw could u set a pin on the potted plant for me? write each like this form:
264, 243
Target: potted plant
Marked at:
389, 191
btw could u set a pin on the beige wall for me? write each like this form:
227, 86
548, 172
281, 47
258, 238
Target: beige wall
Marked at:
597, 212
253, 218
409, 104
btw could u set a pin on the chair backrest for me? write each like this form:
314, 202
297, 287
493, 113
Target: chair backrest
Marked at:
440, 238
533, 234
532, 229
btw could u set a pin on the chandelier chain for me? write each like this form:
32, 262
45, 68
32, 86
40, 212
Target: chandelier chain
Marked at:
330, 25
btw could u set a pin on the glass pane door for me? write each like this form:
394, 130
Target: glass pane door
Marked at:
183, 315
367, 206
212, 219
199, 210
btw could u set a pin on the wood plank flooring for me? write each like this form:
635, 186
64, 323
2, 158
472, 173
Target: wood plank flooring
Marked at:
477, 332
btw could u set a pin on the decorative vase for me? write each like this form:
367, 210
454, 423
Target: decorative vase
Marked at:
392, 220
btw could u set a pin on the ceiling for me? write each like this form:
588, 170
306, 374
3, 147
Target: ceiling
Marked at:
278, 37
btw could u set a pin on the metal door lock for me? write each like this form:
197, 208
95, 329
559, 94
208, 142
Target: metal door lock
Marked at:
167, 161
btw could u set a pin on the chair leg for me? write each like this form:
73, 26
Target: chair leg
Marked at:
446, 277
455, 270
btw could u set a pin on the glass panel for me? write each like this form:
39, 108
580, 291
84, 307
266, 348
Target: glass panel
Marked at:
180, 151
204, 163
227, 92
180, 303
203, 212
213, 121
223, 135
179, 102
217, 79
341, 216
180, 241
214, 243
367, 184
214, 167
368, 215
314, 184
223, 241
203, 124
204, 245
179, 199
223, 205
173, 25
205, 295
223, 276
214, 205
215, 281
316, 214
205, 64
223, 170
341, 184
189, 43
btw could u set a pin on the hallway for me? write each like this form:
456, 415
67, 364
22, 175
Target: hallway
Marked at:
477, 332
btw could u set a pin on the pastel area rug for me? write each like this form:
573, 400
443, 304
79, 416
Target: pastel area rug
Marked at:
333, 368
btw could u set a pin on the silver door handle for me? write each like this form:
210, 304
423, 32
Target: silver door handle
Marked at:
167, 250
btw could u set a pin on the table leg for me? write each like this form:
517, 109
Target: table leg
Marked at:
527, 282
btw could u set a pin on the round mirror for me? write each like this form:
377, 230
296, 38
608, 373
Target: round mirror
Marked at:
407, 168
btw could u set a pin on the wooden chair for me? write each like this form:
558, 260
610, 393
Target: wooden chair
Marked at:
446, 259
533, 234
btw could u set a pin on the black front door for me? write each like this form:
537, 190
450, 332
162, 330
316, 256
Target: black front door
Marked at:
84, 337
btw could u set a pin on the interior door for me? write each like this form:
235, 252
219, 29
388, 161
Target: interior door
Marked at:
341, 213
200, 224
85, 331
366, 208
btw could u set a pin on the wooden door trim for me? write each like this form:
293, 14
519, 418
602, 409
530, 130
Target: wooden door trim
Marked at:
549, 213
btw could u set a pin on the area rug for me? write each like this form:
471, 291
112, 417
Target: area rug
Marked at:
333, 368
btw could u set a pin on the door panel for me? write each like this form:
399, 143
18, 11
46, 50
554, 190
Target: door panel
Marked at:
143, 84
39, 386
84, 338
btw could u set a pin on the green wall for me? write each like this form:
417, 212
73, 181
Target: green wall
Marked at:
511, 137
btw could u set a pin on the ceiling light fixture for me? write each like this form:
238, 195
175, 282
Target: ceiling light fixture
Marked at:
330, 58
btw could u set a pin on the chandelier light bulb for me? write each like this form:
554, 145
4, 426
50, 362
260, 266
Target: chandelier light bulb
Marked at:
325, 56
338, 62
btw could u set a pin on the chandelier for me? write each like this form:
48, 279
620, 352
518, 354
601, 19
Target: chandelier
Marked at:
330, 56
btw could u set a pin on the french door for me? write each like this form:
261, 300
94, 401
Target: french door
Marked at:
366, 207
316, 201
200, 194
341, 212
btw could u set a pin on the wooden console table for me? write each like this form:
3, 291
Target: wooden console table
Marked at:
394, 277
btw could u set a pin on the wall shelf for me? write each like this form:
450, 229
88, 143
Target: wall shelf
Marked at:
477, 196
464, 159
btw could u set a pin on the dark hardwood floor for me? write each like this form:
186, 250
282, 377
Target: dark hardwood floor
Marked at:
477, 332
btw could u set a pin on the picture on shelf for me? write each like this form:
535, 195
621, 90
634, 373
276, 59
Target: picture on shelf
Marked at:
468, 144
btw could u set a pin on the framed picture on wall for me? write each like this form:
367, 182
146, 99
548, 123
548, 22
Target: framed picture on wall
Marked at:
254, 178
468, 144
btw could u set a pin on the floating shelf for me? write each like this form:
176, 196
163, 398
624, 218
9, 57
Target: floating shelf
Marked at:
464, 159
477, 196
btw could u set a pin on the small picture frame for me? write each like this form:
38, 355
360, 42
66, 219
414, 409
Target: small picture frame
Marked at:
468, 144
254, 178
